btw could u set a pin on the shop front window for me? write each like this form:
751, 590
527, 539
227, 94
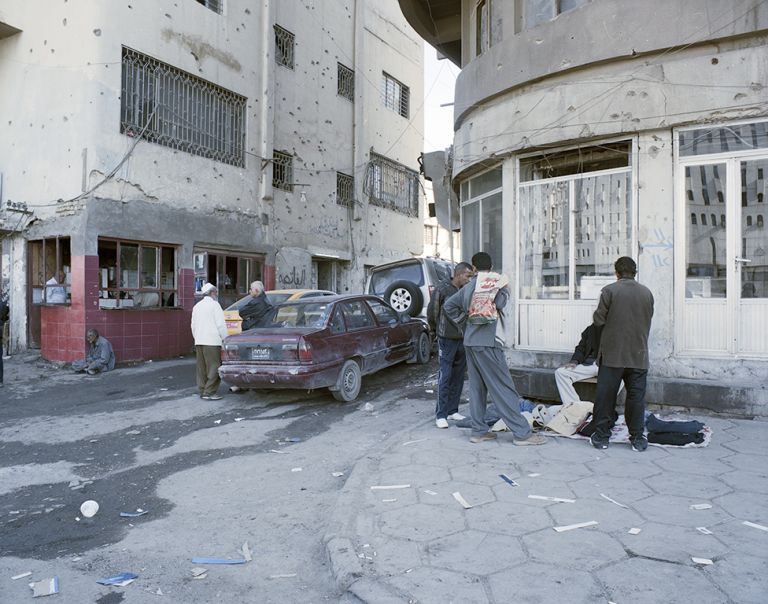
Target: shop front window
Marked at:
50, 265
481, 217
232, 274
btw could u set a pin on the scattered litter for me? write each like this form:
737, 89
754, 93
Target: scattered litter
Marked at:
428, 492
136, 514
411, 442
246, 552
704, 561
159, 592
337, 474
704, 530
283, 576
368, 407
508, 480
700, 506
570, 527
388, 500
429, 391
296, 469
120, 580
634, 531
457, 496
408, 570
293, 439
218, 560
89, 508
753, 525
199, 572
276, 451
77, 559
534, 475
217, 422
21, 576
557, 499
621, 505
134, 432
163, 389
46, 587
239, 419
385, 487
73, 483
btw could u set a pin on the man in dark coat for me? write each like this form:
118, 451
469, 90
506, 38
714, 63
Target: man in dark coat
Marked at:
624, 313
3, 319
253, 312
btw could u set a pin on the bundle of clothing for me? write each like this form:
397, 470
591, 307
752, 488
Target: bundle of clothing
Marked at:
678, 433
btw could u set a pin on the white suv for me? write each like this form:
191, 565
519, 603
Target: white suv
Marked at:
407, 285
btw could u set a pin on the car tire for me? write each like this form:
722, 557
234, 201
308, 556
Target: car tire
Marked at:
423, 348
348, 385
405, 297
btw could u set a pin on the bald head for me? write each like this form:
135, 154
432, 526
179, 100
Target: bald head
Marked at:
257, 287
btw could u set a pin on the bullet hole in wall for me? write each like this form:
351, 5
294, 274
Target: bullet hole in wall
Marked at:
715, 61
97, 32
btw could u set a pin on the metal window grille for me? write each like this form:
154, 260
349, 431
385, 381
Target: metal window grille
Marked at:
429, 235
179, 110
392, 185
282, 171
346, 82
284, 47
345, 189
396, 95
215, 5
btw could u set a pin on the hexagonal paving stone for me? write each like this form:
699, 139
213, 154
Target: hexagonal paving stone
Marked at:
380, 501
623, 466
417, 522
392, 556
415, 475
751, 446
509, 519
430, 585
533, 486
746, 463
640, 580
610, 516
741, 538
481, 473
393, 460
585, 548
745, 505
474, 494
670, 509
543, 583
442, 495
450, 458
569, 449
687, 485
627, 490
687, 461
474, 552
741, 577
742, 480
672, 543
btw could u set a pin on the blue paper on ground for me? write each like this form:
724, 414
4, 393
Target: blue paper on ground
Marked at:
118, 579
218, 561
132, 514
508, 480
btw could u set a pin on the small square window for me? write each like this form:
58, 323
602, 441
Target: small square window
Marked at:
215, 5
282, 171
284, 47
346, 82
345, 189
396, 95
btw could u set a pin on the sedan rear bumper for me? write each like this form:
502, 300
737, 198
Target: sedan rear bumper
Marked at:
301, 377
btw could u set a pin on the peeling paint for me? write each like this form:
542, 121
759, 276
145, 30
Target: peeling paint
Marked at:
201, 49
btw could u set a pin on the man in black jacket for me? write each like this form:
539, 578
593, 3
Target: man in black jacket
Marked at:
453, 360
257, 308
582, 365
3, 319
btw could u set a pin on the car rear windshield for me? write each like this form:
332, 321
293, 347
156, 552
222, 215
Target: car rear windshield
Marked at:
382, 279
308, 314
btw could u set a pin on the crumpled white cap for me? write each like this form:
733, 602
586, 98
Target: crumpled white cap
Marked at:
206, 288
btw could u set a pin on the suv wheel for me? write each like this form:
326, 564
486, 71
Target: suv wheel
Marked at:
404, 297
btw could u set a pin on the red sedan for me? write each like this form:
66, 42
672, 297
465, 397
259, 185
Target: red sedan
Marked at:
328, 342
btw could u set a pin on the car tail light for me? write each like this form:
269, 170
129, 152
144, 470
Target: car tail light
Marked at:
305, 351
230, 352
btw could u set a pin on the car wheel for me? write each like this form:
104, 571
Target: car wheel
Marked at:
405, 297
348, 385
423, 348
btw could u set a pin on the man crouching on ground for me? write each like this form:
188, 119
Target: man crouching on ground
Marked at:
100, 356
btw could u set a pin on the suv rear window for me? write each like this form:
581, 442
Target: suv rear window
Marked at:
442, 271
382, 279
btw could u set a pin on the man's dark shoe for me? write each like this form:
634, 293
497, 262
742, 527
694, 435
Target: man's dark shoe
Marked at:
639, 444
598, 442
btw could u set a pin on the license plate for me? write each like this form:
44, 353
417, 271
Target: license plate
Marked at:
260, 354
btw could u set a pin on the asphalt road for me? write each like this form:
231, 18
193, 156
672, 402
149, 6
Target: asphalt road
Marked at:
255, 467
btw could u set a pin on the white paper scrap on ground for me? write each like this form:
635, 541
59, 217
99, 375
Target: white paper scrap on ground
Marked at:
388, 500
412, 442
534, 475
557, 499
570, 527
283, 576
21, 576
239, 419
295, 469
457, 496
247, 552
703, 530
700, 506
199, 572
89, 508
621, 505
429, 391
46, 587
385, 487
337, 474
276, 451
428, 492
217, 422
634, 531
753, 525
705, 561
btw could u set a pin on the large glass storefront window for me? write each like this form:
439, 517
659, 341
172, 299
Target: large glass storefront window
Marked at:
481, 217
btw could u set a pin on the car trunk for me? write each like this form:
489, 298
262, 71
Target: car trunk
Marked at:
268, 346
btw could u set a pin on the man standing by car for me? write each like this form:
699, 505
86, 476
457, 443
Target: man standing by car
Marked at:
453, 360
484, 344
209, 331
624, 313
257, 308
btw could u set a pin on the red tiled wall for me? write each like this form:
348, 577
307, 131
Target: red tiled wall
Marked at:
269, 276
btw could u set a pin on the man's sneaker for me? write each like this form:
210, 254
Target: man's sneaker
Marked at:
205, 397
482, 437
441, 422
639, 444
457, 417
533, 439
214, 397
598, 442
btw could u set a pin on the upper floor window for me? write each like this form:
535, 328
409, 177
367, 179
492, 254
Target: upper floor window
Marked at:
345, 189
536, 12
395, 95
171, 107
482, 26
392, 185
284, 41
215, 5
282, 171
346, 82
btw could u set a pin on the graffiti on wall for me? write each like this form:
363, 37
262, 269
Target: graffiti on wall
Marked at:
293, 279
659, 246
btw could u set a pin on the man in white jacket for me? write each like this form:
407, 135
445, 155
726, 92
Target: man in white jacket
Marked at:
209, 331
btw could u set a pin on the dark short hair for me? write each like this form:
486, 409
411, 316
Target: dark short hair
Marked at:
482, 261
91, 332
625, 267
463, 267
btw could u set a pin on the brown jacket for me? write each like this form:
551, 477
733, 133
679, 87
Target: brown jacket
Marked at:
624, 312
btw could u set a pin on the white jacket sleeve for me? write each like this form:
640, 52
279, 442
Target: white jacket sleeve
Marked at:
221, 325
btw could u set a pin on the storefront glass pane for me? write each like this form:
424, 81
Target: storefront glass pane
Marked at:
470, 230
485, 182
492, 229
129, 265
148, 267
754, 235
723, 139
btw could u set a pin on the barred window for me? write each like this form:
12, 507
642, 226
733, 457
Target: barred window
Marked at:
346, 82
282, 171
179, 110
284, 47
429, 234
345, 189
395, 95
215, 5
392, 185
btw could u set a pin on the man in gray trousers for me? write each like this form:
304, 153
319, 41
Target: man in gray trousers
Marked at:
488, 371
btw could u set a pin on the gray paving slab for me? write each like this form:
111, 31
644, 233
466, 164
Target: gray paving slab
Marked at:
534, 583
475, 552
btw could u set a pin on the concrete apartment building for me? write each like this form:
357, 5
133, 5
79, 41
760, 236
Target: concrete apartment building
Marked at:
150, 146
587, 130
